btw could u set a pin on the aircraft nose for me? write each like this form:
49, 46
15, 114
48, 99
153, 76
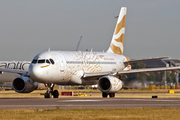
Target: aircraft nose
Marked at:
35, 72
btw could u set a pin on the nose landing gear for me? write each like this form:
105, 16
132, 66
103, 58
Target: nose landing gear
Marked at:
49, 93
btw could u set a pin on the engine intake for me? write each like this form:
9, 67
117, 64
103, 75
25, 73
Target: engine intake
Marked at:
109, 84
23, 84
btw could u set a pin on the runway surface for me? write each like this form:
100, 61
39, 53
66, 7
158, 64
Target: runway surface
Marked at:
87, 103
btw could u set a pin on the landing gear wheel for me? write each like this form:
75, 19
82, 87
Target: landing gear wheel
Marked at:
104, 95
48, 95
55, 94
111, 94
50, 91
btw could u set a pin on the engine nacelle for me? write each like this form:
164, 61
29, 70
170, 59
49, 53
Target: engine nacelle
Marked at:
109, 84
23, 84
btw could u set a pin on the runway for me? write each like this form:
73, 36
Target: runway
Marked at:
87, 103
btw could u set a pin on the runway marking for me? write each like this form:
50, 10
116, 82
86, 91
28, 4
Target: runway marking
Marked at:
79, 100
152, 100
94, 106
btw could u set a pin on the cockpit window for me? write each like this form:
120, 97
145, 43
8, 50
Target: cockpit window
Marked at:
34, 61
41, 61
47, 61
52, 61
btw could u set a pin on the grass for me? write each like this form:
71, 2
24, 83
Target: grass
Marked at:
92, 114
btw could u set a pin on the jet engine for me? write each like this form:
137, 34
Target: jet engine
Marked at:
23, 84
109, 84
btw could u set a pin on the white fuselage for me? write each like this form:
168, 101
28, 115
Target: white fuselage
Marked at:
68, 64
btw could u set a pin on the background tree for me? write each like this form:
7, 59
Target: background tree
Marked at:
138, 65
151, 77
170, 77
139, 77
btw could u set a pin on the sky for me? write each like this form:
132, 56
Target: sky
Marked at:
28, 27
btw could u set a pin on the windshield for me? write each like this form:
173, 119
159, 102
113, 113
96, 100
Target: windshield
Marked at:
34, 61
47, 61
40, 61
52, 61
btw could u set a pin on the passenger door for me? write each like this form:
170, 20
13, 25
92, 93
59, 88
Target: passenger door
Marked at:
62, 63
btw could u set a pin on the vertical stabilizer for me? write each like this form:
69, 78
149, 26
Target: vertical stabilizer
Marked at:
117, 42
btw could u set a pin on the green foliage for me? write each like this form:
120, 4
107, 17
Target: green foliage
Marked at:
138, 65
158, 77
151, 77
154, 76
170, 77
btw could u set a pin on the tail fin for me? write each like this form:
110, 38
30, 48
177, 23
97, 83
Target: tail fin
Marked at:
117, 42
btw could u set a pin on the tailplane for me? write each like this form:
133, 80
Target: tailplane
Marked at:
117, 42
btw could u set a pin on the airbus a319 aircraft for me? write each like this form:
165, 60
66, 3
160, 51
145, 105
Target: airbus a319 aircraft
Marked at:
81, 68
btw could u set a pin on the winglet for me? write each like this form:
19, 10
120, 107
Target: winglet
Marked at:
117, 42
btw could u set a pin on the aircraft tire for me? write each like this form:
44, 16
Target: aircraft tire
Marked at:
104, 95
47, 95
111, 94
55, 94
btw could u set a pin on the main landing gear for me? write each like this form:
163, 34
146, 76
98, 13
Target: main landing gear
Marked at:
50, 92
105, 95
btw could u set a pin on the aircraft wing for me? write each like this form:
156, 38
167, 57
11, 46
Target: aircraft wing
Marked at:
146, 70
18, 71
97, 75
141, 60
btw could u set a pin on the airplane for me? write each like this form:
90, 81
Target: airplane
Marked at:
107, 69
